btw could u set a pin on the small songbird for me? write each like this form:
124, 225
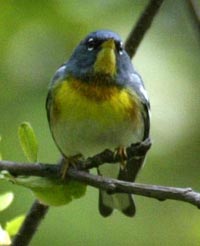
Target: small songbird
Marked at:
97, 101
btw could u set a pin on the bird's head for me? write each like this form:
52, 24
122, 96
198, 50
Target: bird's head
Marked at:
100, 53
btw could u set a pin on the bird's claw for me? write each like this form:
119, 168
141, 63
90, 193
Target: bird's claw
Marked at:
67, 162
121, 152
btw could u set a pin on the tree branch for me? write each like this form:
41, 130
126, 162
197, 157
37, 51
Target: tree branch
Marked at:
153, 191
30, 225
108, 156
159, 192
50, 170
194, 10
143, 24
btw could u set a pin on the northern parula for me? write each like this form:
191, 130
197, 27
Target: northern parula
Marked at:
97, 100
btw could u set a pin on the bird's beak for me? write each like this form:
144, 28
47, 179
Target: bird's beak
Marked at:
108, 44
106, 58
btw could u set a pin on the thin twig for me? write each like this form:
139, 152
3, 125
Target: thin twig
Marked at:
108, 156
50, 170
159, 192
143, 24
29, 169
30, 224
153, 191
194, 10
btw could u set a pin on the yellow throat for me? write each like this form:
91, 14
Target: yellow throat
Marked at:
106, 59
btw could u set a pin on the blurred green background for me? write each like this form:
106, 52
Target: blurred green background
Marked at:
35, 38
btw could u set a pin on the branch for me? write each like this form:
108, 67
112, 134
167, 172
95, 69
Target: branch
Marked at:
50, 170
30, 225
159, 192
108, 156
194, 10
143, 24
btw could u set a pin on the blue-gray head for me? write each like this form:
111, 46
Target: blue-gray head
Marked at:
101, 53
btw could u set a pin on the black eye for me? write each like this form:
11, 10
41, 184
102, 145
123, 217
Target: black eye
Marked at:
91, 44
120, 48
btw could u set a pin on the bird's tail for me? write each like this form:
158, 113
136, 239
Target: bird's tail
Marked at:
120, 201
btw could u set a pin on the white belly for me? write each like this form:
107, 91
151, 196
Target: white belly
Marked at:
90, 136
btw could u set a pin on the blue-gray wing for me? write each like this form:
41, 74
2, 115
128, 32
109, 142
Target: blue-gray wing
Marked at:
134, 165
136, 84
59, 75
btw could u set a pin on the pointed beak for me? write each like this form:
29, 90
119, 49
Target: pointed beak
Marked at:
110, 43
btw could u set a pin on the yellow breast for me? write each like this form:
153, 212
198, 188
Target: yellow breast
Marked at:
86, 115
94, 101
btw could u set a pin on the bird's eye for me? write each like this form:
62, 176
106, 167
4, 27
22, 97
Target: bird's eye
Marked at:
90, 44
120, 48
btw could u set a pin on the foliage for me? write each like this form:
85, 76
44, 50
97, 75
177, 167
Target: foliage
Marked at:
11, 226
5, 200
28, 141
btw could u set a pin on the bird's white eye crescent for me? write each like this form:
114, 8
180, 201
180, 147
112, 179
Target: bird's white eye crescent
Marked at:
120, 48
61, 69
90, 44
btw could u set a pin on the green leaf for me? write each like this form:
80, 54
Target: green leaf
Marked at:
28, 141
4, 237
5, 200
12, 227
51, 191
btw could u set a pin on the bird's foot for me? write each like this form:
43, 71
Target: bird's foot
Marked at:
69, 161
121, 152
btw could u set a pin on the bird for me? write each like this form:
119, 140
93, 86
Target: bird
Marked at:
96, 100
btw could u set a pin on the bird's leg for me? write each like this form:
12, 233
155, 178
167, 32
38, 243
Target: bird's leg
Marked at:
69, 161
121, 152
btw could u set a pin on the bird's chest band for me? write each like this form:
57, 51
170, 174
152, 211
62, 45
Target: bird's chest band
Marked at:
107, 104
